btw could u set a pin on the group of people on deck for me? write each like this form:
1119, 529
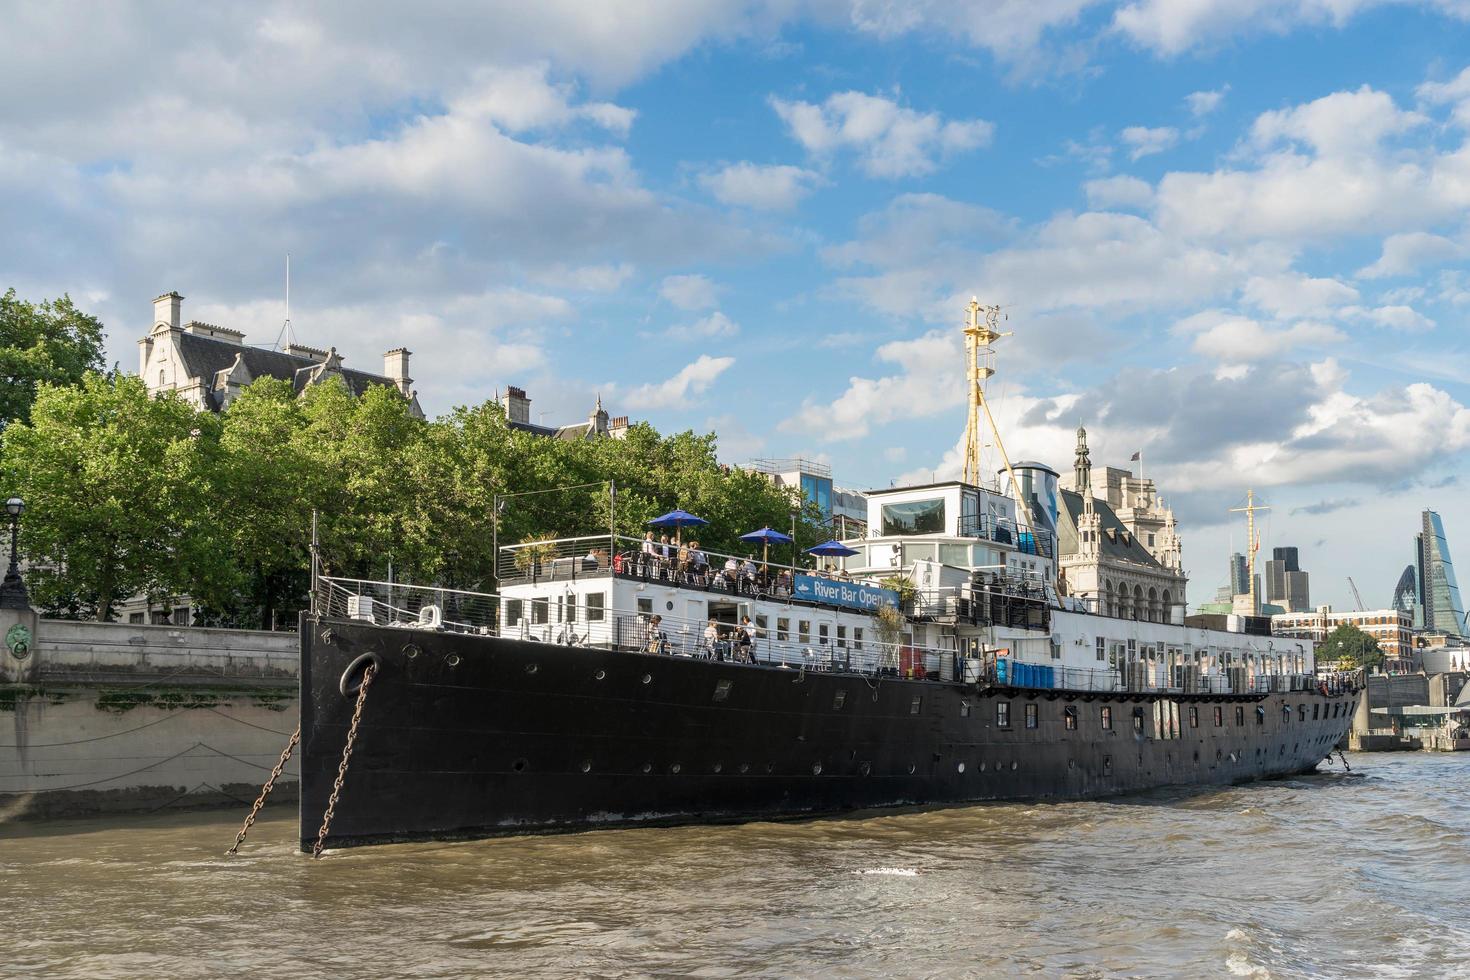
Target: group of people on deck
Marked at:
688, 563
721, 641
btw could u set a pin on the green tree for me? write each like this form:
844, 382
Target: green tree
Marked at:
47, 343
119, 495
1350, 646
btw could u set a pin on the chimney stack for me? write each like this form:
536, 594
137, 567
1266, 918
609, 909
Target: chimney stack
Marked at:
518, 406
166, 311
395, 369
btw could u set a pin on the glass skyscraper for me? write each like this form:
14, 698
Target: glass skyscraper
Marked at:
1439, 593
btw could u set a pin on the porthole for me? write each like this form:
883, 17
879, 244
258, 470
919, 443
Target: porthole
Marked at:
669, 606
982, 766
675, 768
744, 767
410, 650
648, 767
1015, 766
648, 678
600, 675
519, 765
959, 767
722, 689
1071, 763
452, 660
865, 768
770, 768
912, 767
718, 767
816, 768
586, 765
532, 668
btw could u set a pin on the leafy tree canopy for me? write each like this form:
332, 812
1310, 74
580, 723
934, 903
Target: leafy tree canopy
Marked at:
1350, 646
42, 343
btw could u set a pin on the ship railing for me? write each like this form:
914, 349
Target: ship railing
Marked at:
408, 606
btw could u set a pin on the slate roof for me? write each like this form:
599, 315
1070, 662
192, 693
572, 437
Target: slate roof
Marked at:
204, 357
1120, 544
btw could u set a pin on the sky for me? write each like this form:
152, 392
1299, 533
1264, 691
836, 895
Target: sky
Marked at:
1231, 235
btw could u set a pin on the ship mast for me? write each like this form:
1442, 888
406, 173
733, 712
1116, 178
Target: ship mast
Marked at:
1252, 544
980, 336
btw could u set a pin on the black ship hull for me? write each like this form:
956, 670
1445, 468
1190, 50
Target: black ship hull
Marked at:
468, 736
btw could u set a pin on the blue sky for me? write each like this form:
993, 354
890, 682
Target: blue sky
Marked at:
1231, 234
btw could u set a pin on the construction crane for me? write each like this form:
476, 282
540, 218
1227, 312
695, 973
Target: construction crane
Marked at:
1357, 596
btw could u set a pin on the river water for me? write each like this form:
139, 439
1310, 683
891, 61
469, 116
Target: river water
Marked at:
1332, 876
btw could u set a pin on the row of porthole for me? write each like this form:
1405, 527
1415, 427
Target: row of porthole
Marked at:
520, 765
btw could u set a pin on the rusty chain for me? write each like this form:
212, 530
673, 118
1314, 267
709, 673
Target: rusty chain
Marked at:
265, 791
321, 836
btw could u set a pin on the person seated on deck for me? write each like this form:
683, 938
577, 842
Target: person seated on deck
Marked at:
747, 574
666, 557
712, 640
745, 641
655, 641
783, 581
647, 558
732, 574
699, 563
763, 578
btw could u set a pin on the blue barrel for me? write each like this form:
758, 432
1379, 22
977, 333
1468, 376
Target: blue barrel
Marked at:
1048, 678
1023, 675
1002, 670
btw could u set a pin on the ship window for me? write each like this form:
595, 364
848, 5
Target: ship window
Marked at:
913, 517
1031, 715
540, 610
569, 608
803, 631
838, 700
1069, 716
1102, 648
1138, 721
1260, 715
822, 633
783, 628
1003, 714
645, 606
1315, 708
842, 637
761, 622
722, 689
1239, 716
1107, 718
1286, 713
1219, 716
596, 604
513, 612
1302, 712
916, 704
964, 709
857, 637
1193, 716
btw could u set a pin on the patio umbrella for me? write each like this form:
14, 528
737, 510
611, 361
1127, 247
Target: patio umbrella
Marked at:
678, 520
831, 549
765, 536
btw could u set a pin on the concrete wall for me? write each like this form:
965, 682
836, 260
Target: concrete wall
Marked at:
109, 717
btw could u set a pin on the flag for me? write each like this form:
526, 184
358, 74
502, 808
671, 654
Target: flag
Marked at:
1136, 456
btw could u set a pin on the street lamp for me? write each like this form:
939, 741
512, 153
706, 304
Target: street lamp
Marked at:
13, 591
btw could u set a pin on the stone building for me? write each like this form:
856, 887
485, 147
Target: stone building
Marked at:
208, 365
1118, 549
517, 406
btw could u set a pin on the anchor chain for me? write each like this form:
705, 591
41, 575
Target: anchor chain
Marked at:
321, 836
265, 791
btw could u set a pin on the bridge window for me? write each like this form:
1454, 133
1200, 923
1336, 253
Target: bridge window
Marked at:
1239, 716
1193, 716
596, 606
803, 631
1219, 716
913, 517
1102, 648
540, 610
1107, 718
783, 629
513, 612
857, 637
1069, 717
1031, 715
1003, 714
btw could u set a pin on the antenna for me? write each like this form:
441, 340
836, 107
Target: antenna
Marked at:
980, 335
1252, 544
286, 332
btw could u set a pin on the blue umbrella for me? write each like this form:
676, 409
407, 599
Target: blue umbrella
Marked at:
677, 519
765, 536
831, 549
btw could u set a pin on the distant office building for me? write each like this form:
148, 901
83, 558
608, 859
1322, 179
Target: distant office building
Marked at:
1239, 575
1286, 583
845, 511
1439, 593
1406, 596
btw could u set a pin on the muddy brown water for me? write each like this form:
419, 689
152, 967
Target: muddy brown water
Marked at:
1325, 876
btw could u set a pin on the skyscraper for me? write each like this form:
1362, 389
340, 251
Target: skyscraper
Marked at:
1406, 594
1286, 583
1239, 580
1439, 593
1287, 555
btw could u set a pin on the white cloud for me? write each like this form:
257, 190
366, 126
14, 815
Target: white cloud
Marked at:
766, 188
1455, 92
689, 292
1143, 141
692, 380
1294, 295
523, 98
713, 326
1236, 339
1405, 254
1206, 102
1397, 317
891, 140
1119, 192
1338, 124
